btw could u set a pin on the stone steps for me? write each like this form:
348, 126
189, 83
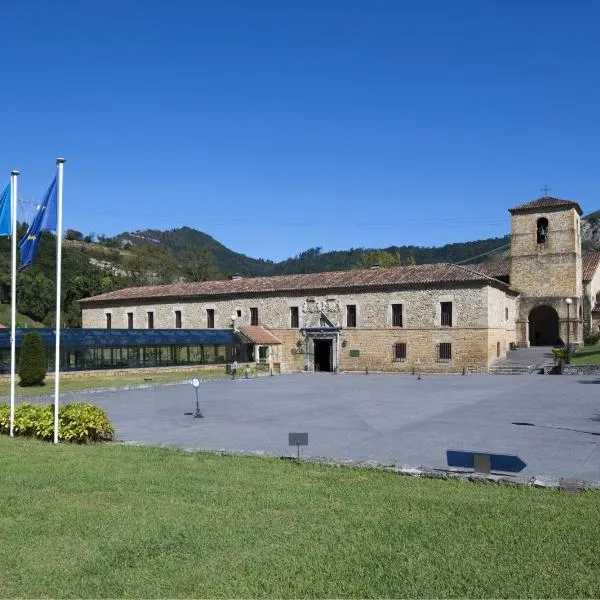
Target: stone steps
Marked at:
504, 369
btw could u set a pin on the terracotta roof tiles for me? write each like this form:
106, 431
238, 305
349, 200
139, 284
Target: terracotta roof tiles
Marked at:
589, 263
442, 273
546, 202
259, 335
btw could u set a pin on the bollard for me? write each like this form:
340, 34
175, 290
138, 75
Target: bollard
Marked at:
464, 372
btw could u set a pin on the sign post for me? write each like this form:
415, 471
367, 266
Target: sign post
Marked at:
196, 384
298, 439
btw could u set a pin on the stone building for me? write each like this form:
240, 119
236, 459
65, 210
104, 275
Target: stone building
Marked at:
439, 317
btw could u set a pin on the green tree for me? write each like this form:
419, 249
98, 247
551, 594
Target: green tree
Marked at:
382, 258
199, 265
32, 363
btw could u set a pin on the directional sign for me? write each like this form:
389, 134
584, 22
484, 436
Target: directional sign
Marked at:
484, 462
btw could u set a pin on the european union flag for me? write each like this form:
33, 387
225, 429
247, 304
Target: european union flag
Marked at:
5, 220
44, 220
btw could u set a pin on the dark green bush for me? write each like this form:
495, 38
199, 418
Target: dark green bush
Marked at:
560, 355
592, 339
32, 364
78, 422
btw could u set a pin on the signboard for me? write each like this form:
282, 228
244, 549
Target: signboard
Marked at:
354, 353
298, 439
484, 462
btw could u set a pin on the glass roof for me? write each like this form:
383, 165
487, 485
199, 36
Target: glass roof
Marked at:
113, 338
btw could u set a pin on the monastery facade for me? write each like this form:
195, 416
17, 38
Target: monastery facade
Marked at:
429, 318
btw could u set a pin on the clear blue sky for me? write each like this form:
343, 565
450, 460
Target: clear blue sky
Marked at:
275, 126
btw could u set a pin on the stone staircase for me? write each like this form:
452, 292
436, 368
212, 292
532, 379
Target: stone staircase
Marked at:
524, 361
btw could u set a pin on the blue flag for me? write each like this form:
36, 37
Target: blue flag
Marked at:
5, 212
44, 220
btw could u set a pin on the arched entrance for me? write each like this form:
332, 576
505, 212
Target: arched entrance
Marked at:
543, 326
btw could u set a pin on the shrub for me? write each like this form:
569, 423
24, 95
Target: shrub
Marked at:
560, 355
592, 339
78, 422
32, 365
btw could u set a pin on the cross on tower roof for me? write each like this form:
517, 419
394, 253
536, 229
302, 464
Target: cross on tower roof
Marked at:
545, 190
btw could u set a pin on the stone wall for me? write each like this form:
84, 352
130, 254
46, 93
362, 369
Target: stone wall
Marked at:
551, 269
478, 323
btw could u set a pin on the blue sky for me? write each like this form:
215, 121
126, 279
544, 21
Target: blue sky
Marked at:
275, 126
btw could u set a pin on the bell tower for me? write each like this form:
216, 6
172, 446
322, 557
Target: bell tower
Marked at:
545, 267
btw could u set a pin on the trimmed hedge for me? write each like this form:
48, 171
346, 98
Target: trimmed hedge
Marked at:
32, 363
78, 422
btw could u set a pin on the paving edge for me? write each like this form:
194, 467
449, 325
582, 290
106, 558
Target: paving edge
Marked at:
566, 484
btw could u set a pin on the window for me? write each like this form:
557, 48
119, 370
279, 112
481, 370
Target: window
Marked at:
542, 231
400, 351
444, 352
294, 319
506, 314
177, 319
351, 315
108, 321
150, 320
210, 318
130, 320
497, 349
239, 312
254, 316
446, 314
396, 315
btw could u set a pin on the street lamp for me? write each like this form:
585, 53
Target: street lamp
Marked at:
569, 301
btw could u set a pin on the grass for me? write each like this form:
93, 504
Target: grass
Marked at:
586, 355
102, 380
22, 320
122, 521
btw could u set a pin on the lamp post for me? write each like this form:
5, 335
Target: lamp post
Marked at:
569, 301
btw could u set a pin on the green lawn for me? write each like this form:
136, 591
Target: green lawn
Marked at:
122, 521
586, 355
102, 380
22, 320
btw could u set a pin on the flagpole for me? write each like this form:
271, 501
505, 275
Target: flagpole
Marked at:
13, 296
59, 184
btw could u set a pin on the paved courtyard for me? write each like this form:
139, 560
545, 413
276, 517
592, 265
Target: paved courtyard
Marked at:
388, 418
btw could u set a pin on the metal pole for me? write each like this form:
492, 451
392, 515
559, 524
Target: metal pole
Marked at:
59, 184
13, 299
568, 333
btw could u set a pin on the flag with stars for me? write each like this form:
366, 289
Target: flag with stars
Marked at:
5, 212
44, 220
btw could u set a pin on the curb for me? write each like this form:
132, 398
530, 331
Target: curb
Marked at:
565, 484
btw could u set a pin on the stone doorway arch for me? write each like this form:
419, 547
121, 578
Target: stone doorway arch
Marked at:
543, 326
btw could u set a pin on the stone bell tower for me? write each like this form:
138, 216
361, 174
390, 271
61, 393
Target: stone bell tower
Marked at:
545, 267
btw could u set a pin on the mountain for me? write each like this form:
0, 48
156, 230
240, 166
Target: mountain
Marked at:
183, 242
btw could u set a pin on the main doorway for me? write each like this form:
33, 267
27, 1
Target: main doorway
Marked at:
323, 355
543, 327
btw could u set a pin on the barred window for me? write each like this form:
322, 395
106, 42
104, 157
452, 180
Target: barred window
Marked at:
444, 351
446, 314
177, 319
210, 318
400, 351
254, 316
129, 320
351, 315
108, 321
396, 315
150, 320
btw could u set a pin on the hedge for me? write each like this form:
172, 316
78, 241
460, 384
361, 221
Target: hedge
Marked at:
77, 422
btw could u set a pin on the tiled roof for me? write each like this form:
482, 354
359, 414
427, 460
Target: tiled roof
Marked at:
259, 335
364, 278
546, 202
589, 263
494, 269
